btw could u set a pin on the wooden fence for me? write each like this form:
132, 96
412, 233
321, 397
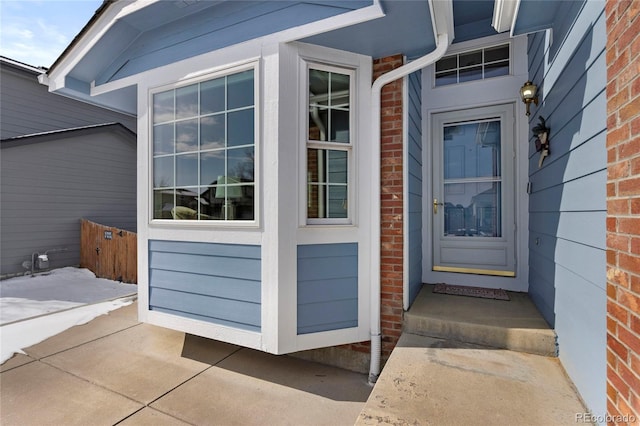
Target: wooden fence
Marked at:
108, 252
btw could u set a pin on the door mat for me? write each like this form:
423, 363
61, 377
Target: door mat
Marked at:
458, 290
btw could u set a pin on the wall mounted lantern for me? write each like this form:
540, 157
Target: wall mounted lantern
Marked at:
528, 94
541, 131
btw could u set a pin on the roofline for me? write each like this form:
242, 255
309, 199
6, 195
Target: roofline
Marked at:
96, 15
22, 65
72, 132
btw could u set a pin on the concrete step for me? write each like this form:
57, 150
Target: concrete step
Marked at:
429, 381
514, 325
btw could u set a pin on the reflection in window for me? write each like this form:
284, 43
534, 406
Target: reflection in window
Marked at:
204, 150
476, 65
328, 144
472, 179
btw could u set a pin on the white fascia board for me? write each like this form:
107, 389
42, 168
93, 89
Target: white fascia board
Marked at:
109, 17
347, 19
504, 13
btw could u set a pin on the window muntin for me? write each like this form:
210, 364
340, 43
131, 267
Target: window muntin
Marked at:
204, 150
329, 143
474, 65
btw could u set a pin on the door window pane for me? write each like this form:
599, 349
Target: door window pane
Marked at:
472, 150
472, 209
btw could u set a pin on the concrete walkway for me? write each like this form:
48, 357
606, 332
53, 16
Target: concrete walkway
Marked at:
431, 381
452, 366
115, 370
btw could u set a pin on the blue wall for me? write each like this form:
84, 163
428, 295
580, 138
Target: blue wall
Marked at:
568, 200
218, 283
327, 287
414, 165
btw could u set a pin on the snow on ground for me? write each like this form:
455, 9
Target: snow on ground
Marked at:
34, 308
22, 334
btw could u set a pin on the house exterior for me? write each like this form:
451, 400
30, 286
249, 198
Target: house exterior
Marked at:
62, 160
305, 166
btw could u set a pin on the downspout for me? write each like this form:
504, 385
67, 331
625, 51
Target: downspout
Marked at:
442, 22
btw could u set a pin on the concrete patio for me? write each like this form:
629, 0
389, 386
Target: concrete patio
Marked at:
115, 370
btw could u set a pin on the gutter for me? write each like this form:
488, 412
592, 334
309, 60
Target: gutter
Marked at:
442, 22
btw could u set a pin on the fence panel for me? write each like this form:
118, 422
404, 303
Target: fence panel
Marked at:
109, 252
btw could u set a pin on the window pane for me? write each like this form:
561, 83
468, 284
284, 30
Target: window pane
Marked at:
163, 107
339, 126
496, 53
446, 78
212, 96
186, 204
472, 210
240, 128
211, 166
496, 70
327, 172
240, 90
339, 90
318, 87
240, 164
337, 166
187, 136
187, 102
163, 172
244, 206
471, 58
162, 203
163, 139
337, 201
318, 123
187, 170
212, 132
449, 63
470, 74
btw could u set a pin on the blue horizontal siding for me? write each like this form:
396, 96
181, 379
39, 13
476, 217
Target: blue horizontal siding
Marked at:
218, 283
567, 216
414, 162
327, 287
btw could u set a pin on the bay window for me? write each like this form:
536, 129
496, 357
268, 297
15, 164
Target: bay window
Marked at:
203, 145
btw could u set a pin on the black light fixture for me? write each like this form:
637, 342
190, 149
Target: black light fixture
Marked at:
528, 94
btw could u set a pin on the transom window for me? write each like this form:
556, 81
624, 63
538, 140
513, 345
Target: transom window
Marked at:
475, 65
204, 150
329, 143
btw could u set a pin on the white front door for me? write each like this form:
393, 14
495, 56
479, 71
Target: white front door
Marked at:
473, 191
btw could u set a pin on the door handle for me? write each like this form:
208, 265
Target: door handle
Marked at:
435, 205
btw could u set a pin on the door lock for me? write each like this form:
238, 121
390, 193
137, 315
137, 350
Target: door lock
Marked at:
435, 205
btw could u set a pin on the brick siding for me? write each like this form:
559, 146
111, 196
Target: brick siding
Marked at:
623, 211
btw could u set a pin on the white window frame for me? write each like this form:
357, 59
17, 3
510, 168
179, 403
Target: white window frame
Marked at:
322, 145
253, 65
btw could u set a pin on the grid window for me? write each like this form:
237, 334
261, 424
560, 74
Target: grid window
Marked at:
475, 65
204, 149
328, 143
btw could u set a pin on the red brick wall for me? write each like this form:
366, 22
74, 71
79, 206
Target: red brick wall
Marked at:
391, 203
623, 211
391, 259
